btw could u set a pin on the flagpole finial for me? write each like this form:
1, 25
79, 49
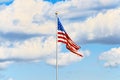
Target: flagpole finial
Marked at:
56, 13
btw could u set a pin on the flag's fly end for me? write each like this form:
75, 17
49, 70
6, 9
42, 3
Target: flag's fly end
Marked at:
56, 13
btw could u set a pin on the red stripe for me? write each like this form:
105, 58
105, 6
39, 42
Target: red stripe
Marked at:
73, 44
72, 49
78, 54
62, 41
62, 33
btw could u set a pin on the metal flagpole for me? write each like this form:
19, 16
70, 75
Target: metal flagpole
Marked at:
56, 50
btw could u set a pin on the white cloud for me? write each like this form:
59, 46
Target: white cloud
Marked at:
104, 28
30, 49
20, 17
23, 17
67, 58
82, 9
109, 2
10, 79
5, 64
111, 57
33, 50
95, 3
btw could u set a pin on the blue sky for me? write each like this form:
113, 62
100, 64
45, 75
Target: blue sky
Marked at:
6, 2
27, 39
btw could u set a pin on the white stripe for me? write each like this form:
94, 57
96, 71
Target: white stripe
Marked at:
63, 40
60, 31
62, 36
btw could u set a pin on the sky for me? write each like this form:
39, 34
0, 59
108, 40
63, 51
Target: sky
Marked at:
28, 39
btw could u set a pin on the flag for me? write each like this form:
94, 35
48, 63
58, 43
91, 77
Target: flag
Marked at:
63, 37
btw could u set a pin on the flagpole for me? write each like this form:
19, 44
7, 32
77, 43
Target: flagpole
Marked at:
56, 50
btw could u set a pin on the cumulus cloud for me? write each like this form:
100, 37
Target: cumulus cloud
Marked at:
21, 17
111, 57
104, 28
35, 48
5, 64
10, 79
82, 9
109, 2
32, 18
67, 58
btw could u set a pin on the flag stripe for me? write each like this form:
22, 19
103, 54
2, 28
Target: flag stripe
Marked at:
62, 37
61, 32
72, 49
62, 41
73, 44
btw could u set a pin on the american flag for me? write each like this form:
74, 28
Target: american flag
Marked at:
64, 38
